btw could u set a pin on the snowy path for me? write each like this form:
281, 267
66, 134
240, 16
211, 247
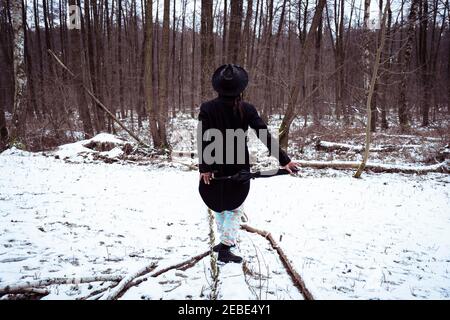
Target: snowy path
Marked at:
385, 236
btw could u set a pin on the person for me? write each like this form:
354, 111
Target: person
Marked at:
228, 111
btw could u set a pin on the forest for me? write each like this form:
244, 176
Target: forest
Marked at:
151, 60
103, 195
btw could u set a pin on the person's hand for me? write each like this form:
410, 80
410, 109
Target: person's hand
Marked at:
206, 176
291, 167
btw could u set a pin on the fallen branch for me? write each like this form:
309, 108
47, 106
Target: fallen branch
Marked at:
334, 146
442, 167
29, 292
121, 287
20, 287
298, 282
94, 295
180, 266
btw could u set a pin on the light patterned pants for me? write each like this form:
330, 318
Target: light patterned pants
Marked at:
228, 224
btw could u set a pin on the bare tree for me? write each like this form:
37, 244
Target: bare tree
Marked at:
371, 90
291, 112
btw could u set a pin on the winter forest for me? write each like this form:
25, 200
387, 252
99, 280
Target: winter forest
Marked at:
99, 166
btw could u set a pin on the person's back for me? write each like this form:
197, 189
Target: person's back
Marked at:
223, 151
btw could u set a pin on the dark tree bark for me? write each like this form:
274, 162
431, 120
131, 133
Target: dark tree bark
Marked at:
207, 49
405, 56
424, 62
224, 32
315, 87
119, 65
148, 76
245, 44
234, 37
77, 65
193, 69
181, 58
164, 76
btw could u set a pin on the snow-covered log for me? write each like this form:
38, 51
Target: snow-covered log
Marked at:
298, 282
334, 146
113, 293
20, 287
443, 167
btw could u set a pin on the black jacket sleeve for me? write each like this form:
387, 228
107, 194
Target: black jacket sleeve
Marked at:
255, 122
203, 125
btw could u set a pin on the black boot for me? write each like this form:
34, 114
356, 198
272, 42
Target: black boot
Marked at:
221, 246
225, 255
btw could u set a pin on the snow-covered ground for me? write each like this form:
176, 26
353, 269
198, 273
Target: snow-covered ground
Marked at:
385, 236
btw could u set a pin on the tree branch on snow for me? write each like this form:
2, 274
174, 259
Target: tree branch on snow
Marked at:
187, 263
298, 282
180, 266
122, 286
94, 295
442, 167
334, 146
20, 287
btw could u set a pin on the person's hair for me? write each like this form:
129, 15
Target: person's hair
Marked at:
237, 107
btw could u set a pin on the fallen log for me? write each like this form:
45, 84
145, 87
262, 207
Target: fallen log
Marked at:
443, 167
28, 293
298, 282
20, 287
344, 147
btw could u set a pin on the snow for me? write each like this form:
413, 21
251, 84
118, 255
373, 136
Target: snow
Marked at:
385, 236
78, 149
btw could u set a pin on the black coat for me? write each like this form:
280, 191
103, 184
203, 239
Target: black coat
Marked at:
221, 114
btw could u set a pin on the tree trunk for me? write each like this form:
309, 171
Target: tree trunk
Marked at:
193, 69
181, 59
405, 56
77, 66
123, 112
234, 38
148, 76
207, 49
164, 77
37, 27
245, 44
315, 87
19, 114
224, 32
371, 91
366, 55
424, 61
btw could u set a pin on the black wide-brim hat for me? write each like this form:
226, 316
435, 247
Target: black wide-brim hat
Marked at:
230, 80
